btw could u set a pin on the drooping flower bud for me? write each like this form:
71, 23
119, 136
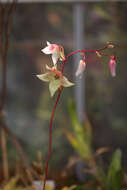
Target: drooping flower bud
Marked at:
81, 68
112, 66
98, 54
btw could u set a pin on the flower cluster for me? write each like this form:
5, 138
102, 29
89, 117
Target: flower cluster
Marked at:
56, 79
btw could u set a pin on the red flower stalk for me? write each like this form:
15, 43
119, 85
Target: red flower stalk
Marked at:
57, 81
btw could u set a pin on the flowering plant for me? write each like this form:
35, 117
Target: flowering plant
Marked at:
57, 81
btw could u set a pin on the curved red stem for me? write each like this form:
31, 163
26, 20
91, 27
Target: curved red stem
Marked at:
50, 138
81, 51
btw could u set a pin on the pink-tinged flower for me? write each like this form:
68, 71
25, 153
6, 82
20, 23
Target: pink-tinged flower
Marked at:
57, 52
112, 66
55, 78
81, 68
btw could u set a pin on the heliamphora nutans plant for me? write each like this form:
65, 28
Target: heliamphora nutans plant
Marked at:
57, 81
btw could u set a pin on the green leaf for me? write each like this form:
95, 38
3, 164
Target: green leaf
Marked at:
83, 145
83, 132
72, 140
115, 176
54, 85
88, 130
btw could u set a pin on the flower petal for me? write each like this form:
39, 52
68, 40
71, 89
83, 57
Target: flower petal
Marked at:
46, 50
66, 83
48, 68
54, 85
48, 43
47, 77
62, 56
55, 57
51, 68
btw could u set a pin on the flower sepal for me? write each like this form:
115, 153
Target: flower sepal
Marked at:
55, 78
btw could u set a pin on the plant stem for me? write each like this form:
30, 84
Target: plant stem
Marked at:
82, 51
4, 154
50, 138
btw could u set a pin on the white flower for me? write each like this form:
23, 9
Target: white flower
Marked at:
57, 52
81, 68
55, 78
